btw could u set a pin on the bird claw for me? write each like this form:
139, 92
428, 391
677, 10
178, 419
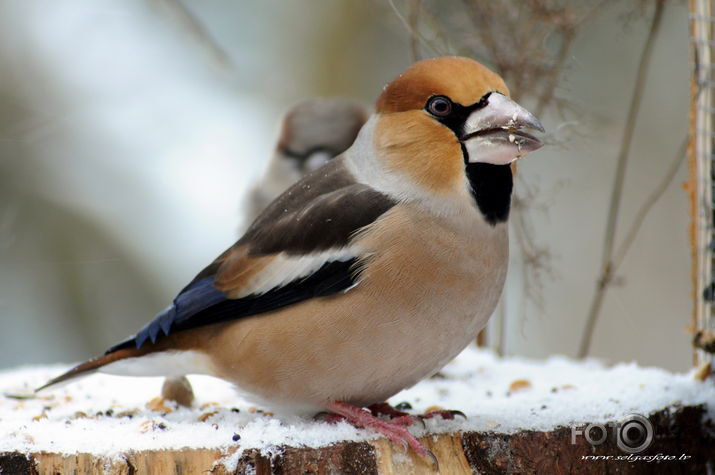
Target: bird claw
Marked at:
393, 430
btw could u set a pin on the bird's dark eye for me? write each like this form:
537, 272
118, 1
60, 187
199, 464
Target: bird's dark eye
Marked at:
439, 106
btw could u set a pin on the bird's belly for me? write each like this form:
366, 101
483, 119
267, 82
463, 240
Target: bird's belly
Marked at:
404, 321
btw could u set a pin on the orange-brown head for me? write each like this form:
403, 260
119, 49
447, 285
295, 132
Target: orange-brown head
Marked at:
463, 80
443, 114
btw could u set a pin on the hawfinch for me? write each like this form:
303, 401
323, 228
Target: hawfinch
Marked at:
370, 273
312, 132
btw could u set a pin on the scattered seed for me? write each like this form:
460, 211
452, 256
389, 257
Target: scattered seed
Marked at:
40, 417
519, 385
158, 405
205, 416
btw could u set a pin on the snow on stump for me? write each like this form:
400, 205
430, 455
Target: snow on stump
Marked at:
524, 416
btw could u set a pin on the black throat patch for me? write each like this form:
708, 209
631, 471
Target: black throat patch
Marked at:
491, 187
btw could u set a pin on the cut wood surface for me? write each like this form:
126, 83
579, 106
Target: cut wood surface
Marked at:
679, 433
519, 418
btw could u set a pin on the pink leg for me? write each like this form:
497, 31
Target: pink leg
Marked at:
393, 431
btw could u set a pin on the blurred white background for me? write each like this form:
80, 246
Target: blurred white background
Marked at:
130, 132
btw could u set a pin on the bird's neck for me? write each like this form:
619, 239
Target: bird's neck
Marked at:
491, 187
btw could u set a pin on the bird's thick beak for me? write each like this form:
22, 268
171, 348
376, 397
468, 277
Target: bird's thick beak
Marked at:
495, 133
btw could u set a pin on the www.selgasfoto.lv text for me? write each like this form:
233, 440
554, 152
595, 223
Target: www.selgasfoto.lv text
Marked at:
638, 458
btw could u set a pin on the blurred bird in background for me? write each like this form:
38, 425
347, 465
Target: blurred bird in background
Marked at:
312, 132
370, 273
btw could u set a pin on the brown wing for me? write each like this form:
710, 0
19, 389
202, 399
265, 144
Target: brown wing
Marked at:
297, 249
309, 224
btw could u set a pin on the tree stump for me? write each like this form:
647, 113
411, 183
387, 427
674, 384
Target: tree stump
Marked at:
683, 443
524, 416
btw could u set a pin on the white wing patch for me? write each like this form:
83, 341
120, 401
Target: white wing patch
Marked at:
286, 268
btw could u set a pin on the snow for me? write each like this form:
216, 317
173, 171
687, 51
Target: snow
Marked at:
109, 415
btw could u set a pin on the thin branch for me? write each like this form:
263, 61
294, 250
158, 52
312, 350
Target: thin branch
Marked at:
648, 205
606, 273
487, 39
413, 32
413, 17
434, 26
624, 154
555, 74
187, 20
593, 12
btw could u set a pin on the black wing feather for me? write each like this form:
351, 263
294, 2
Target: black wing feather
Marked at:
202, 304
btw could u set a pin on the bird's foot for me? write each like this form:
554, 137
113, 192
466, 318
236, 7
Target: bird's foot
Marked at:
393, 430
380, 410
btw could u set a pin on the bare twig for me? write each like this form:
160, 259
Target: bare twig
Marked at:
645, 208
568, 32
413, 18
555, 74
187, 20
536, 258
488, 39
433, 25
595, 11
606, 273
414, 32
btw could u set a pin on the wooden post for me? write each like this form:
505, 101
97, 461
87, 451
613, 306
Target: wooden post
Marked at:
701, 181
679, 432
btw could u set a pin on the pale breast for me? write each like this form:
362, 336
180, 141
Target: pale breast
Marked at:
428, 287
